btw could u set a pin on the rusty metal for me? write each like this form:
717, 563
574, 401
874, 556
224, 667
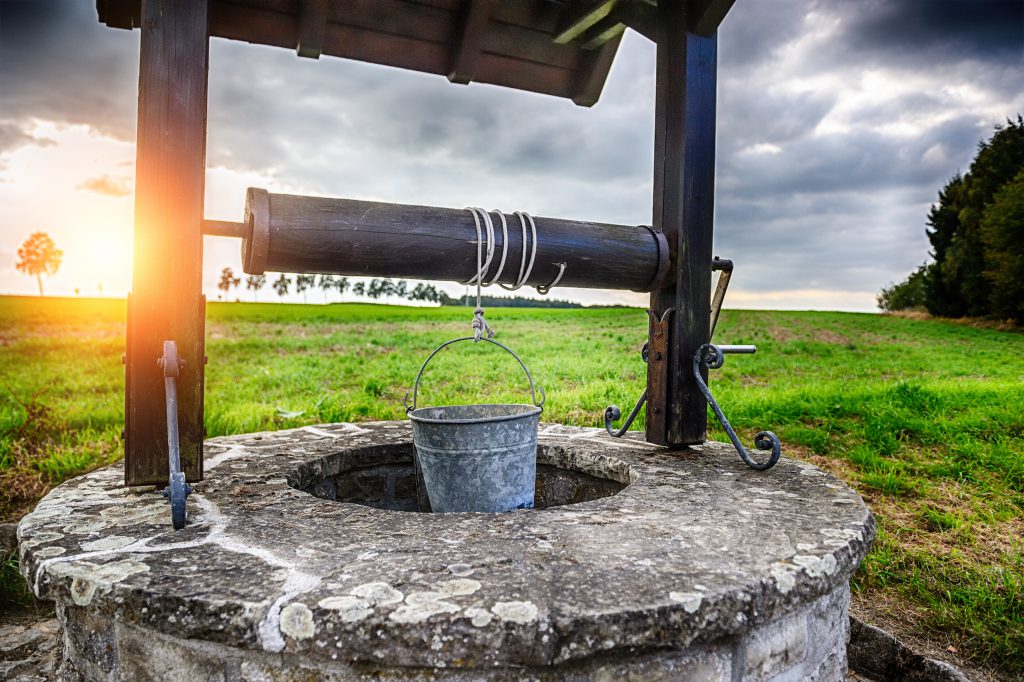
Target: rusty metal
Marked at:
177, 489
711, 356
659, 338
725, 267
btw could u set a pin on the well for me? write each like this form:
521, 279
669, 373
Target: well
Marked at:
306, 557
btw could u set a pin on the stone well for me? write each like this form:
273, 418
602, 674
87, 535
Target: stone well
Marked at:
306, 557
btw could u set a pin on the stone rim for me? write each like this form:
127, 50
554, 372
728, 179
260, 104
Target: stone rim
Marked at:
93, 544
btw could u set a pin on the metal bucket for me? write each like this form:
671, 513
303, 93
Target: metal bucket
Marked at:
477, 458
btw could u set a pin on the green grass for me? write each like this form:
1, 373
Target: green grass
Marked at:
925, 418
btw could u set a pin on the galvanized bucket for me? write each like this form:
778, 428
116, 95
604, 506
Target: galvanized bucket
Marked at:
477, 458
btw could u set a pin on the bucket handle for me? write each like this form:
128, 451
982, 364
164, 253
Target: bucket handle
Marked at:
416, 385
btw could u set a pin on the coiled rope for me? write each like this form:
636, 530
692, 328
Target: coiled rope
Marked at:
485, 235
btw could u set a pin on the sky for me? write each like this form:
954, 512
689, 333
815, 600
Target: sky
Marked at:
838, 123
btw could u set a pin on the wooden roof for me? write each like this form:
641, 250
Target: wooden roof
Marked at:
556, 47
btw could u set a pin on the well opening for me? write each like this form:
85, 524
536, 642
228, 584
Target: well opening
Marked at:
385, 477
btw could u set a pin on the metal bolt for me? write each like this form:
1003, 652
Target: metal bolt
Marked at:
657, 356
655, 409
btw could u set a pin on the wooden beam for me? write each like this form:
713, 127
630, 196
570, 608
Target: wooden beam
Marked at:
312, 26
166, 300
600, 33
706, 15
592, 77
466, 54
641, 16
684, 172
579, 17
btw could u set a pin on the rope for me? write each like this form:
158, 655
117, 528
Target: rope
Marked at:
485, 233
480, 326
543, 289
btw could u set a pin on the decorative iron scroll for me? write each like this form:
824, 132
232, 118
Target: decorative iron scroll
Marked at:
711, 356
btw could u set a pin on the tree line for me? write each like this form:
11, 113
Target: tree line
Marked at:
976, 231
376, 288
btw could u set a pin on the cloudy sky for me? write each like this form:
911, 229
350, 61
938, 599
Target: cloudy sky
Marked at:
838, 123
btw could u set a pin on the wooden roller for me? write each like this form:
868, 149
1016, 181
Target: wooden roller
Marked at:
287, 233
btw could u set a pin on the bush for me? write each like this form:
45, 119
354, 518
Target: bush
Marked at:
907, 295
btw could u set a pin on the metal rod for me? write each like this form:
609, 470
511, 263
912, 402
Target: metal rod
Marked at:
739, 350
223, 228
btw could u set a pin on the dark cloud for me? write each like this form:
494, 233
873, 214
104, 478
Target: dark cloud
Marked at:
934, 30
58, 63
838, 123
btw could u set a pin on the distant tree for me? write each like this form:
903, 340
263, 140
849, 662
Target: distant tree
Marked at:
304, 282
375, 289
1002, 231
359, 288
254, 283
326, 282
281, 285
341, 284
227, 280
39, 256
973, 253
425, 292
907, 295
401, 288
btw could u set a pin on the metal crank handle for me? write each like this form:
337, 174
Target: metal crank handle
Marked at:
711, 356
177, 489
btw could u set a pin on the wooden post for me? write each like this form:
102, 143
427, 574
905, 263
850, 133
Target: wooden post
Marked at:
684, 175
166, 300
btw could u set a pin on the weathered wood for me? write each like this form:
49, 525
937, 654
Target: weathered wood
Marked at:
363, 238
600, 33
592, 79
467, 50
683, 209
579, 17
515, 49
312, 24
166, 300
704, 16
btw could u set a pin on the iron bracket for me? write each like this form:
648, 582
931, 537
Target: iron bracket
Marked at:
711, 356
177, 489
612, 413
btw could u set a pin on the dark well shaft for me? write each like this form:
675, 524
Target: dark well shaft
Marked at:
286, 233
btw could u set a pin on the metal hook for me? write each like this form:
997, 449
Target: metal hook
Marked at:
711, 356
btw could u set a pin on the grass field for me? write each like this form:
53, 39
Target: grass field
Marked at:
923, 417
